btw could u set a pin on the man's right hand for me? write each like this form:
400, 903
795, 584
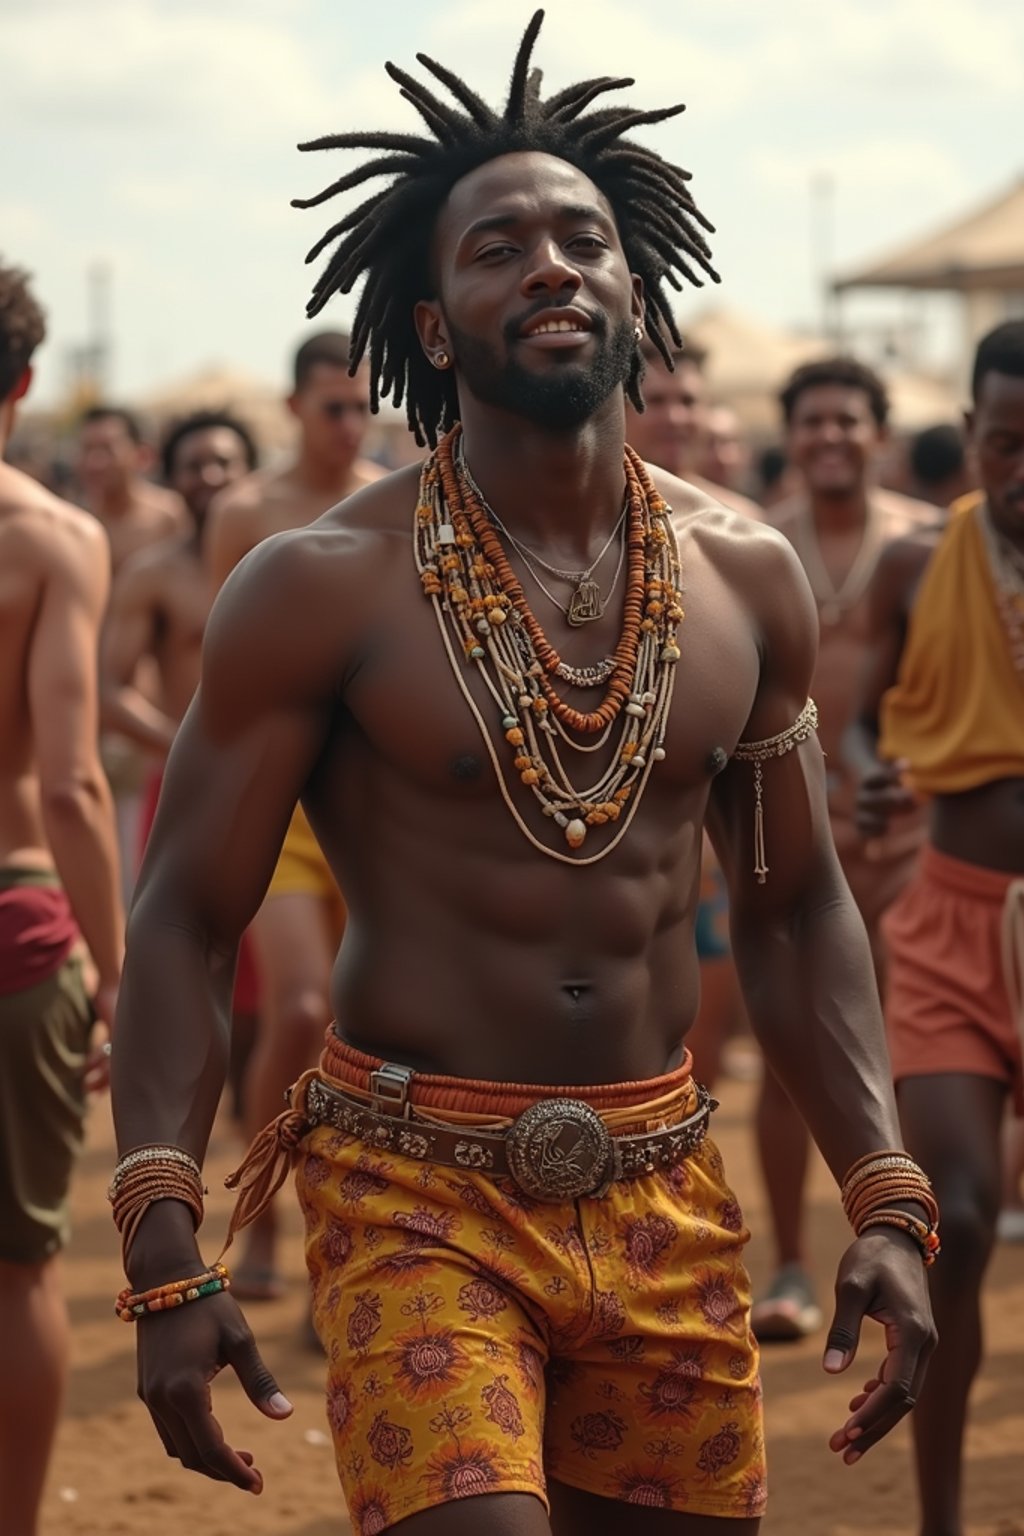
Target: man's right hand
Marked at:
179, 1353
881, 795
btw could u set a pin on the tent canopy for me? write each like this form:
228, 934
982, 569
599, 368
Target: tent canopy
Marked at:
983, 250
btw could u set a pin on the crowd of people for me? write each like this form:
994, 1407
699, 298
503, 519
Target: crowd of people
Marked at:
306, 779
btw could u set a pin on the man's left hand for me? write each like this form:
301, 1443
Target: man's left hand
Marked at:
881, 1275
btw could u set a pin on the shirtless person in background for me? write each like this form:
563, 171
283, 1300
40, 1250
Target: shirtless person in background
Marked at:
158, 611
836, 418
110, 464
58, 877
299, 926
672, 432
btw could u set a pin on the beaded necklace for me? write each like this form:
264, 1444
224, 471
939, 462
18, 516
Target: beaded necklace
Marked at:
1008, 578
484, 619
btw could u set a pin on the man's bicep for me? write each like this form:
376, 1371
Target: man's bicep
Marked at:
63, 672
246, 748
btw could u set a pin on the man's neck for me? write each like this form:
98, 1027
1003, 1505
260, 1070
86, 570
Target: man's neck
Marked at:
329, 479
842, 513
555, 490
118, 502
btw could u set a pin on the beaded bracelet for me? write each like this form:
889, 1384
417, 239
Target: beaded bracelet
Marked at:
890, 1192
147, 1174
875, 1182
926, 1237
131, 1305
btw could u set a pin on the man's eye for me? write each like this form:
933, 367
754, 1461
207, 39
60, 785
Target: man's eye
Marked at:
593, 242
493, 250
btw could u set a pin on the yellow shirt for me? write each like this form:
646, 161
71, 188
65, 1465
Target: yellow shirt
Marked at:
956, 712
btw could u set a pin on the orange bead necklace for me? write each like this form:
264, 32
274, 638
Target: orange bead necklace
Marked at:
484, 617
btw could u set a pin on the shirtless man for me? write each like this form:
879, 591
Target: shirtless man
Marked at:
836, 416
162, 595
110, 464
300, 925
671, 432
58, 877
452, 1257
158, 611
942, 716
673, 427
725, 459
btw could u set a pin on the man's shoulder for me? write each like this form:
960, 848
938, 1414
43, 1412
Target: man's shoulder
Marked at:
158, 506
904, 514
46, 526
341, 547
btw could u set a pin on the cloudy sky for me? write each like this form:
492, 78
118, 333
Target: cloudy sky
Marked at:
158, 136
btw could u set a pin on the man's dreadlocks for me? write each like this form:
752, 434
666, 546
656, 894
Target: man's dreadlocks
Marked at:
388, 236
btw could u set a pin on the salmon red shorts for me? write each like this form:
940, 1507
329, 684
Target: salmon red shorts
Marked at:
480, 1341
953, 973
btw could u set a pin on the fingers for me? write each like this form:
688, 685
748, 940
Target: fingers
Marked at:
890, 1395
257, 1382
186, 1425
844, 1335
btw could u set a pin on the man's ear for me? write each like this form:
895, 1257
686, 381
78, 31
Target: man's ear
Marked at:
639, 306
433, 333
23, 385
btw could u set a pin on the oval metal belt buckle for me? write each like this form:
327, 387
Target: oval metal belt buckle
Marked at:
559, 1149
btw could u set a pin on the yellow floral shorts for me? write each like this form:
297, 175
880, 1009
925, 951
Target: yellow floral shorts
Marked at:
480, 1341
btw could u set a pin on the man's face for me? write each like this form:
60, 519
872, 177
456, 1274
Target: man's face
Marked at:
333, 411
725, 458
537, 306
670, 431
833, 438
997, 436
206, 461
108, 457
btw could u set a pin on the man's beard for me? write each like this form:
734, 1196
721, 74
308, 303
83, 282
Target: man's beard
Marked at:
560, 400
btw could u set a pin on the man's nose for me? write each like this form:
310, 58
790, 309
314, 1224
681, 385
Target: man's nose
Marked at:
550, 270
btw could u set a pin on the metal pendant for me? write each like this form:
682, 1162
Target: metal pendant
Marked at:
585, 604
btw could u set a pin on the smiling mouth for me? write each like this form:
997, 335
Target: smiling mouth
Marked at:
551, 327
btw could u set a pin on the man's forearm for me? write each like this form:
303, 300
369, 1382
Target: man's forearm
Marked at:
80, 829
130, 714
810, 988
173, 1040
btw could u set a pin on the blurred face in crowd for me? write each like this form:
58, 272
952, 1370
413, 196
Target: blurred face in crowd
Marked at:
670, 431
724, 458
205, 462
333, 411
833, 439
108, 458
996, 426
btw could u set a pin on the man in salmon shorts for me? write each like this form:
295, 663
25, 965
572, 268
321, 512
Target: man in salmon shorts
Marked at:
526, 1262
943, 718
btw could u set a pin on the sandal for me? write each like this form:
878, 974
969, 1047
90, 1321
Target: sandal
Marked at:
787, 1310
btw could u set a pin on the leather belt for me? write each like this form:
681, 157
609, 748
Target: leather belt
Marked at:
558, 1149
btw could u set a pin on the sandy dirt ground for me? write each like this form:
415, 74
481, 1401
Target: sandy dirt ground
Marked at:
110, 1474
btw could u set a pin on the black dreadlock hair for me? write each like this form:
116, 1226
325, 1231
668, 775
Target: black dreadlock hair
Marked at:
388, 236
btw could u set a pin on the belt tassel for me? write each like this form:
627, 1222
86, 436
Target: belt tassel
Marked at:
268, 1162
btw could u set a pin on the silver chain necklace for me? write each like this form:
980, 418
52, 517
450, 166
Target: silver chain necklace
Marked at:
586, 603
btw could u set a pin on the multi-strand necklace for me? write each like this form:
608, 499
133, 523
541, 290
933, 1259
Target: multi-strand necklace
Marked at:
835, 600
485, 620
1008, 577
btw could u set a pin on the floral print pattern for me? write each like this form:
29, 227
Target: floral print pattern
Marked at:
479, 1341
